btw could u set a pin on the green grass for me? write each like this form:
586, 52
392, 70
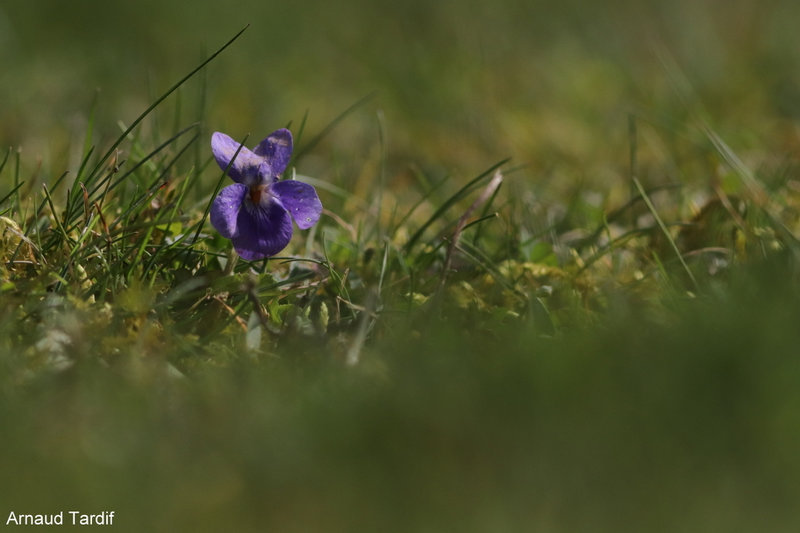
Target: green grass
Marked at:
554, 287
687, 425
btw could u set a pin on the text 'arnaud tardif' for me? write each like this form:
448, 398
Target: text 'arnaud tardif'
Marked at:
73, 518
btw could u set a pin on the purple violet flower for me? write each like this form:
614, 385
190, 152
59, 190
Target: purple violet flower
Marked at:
254, 213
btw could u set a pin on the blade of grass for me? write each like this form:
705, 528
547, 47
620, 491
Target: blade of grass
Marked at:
176, 117
365, 324
141, 162
466, 189
5, 159
17, 184
757, 191
479, 258
158, 101
384, 263
419, 202
664, 230
11, 193
487, 193
153, 187
485, 215
335, 276
38, 212
621, 239
60, 226
618, 213
87, 231
173, 215
327, 129
479, 220
139, 251
302, 128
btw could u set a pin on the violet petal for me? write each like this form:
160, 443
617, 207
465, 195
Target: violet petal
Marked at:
263, 230
245, 168
225, 209
300, 200
277, 149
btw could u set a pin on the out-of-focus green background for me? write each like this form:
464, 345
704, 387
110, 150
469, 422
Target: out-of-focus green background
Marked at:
680, 420
638, 426
460, 84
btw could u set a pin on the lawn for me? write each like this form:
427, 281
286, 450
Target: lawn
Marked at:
553, 285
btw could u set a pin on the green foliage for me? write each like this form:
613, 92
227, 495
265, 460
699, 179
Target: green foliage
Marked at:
587, 336
440, 425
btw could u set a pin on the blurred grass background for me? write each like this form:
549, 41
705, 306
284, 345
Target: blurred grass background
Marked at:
635, 426
461, 83
679, 418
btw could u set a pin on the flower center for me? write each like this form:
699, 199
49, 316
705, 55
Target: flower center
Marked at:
257, 192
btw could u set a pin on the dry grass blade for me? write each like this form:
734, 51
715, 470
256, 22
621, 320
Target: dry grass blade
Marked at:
487, 193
